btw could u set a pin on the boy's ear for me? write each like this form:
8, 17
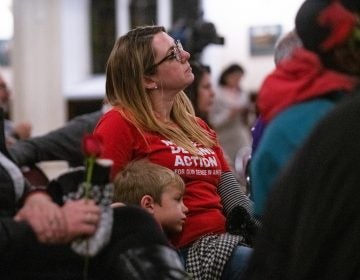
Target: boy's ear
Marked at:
147, 203
149, 83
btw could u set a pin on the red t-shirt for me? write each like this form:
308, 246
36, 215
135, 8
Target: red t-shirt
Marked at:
124, 143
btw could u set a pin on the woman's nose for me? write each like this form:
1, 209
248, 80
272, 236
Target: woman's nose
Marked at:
185, 55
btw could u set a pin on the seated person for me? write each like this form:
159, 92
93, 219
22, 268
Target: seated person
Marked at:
161, 193
316, 197
166, 131
200, 91
35, 234
304, 88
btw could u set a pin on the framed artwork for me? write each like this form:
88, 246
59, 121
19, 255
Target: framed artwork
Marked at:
263, 39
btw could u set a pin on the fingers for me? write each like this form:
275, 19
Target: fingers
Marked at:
76, 219
82, 217
91, 218
45, 217
87, 229
117, 204
54, 228
48, 227
53, 224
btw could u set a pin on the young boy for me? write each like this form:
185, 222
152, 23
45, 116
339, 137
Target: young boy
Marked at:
155, 188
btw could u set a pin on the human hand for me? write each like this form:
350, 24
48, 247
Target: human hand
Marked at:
45, 217
117, 204
82, 217
23, 130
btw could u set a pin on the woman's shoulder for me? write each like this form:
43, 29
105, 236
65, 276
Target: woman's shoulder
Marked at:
113, 117
204, 125
113, 120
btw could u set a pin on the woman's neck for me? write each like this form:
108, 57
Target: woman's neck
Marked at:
162, 106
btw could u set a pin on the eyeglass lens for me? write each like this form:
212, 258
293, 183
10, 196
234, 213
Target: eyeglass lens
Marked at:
178, 50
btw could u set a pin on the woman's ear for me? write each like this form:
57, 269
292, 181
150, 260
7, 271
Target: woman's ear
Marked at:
147, 202
149, 83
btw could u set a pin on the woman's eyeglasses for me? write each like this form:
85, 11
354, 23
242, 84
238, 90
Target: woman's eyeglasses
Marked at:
176, 53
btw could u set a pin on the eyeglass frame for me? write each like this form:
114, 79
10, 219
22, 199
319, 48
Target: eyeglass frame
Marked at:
175, 53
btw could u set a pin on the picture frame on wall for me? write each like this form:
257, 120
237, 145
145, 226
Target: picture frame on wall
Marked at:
263, 39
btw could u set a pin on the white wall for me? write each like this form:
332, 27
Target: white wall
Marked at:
232, 19
36, 63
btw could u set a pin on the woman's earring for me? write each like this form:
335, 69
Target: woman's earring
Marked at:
155, 87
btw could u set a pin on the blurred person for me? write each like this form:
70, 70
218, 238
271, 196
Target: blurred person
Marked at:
304, 88
153, 118
200, 91
13, 131
227, 114
316, 196
284, 49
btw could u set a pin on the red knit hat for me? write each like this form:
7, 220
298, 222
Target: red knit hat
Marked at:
323, 25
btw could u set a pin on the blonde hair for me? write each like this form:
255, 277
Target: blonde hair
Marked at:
131, 59
142, 177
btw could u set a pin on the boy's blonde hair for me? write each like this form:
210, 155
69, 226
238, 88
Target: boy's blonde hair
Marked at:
142, 177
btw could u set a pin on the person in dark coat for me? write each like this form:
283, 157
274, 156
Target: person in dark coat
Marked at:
311, 223
305, 87
36, 233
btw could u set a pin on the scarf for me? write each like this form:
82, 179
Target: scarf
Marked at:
298, 79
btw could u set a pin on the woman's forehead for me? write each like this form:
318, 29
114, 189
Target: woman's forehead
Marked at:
162, 42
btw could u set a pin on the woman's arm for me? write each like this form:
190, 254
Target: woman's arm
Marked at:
232, 196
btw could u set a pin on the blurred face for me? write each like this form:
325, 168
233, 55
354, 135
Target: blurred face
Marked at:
205, 94
171, 213
173, 69
233, 79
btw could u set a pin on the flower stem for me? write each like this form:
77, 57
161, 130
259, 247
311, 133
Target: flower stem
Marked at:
90, 167
89, 172
86, 264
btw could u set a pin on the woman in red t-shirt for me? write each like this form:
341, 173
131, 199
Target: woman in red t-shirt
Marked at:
152, 117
